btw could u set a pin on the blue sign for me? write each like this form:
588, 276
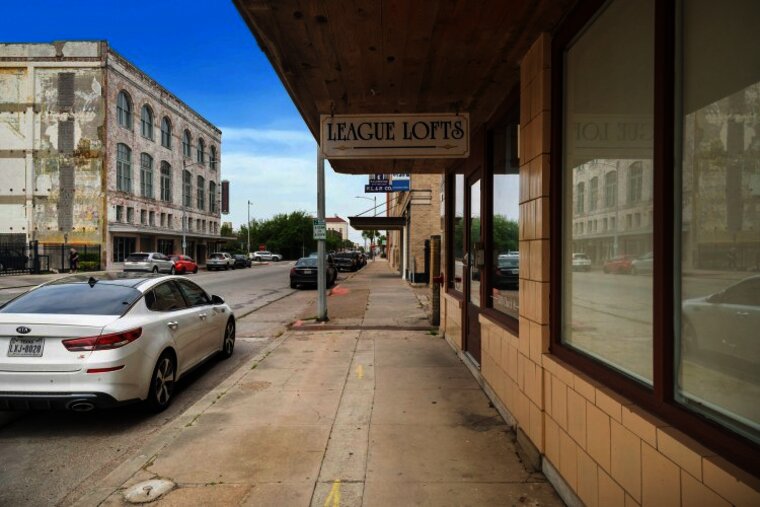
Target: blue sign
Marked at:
400, 185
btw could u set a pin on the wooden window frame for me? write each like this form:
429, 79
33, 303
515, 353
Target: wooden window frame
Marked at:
658, 399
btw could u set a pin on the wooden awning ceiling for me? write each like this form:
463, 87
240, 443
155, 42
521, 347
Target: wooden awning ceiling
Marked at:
398, 56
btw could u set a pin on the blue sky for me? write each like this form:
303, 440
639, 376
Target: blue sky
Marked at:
203, 52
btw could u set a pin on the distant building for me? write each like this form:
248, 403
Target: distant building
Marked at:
94, 152
337, 224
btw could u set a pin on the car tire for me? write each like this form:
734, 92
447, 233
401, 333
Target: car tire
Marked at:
195, 270
228, 345
293, 285
161, 389
155, 269
226, 267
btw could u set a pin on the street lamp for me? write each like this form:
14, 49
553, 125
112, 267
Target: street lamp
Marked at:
374, 214
248, 228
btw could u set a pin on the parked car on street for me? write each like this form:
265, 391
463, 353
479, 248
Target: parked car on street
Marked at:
725, 322
241, 261
507, 271
184, 264
305, 272
83, 342
581, 262
347, 261
643, 265
151, 262
265, 255
219, 260
620, 264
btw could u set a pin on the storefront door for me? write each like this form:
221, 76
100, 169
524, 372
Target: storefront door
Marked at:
474, 269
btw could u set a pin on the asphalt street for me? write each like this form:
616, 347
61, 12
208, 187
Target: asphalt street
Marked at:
50, 458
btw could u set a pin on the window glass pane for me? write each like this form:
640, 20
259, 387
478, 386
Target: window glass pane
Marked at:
505, 267
718, 351
459, 232
476, 245
607, 284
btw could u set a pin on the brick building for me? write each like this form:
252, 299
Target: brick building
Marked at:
338, 225
97, 153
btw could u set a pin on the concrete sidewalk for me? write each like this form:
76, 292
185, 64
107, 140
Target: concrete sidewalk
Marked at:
371, 408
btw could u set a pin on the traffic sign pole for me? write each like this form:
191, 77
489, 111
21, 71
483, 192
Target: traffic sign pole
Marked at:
321, 258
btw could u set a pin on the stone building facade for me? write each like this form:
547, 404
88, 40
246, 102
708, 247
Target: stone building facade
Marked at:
81, 168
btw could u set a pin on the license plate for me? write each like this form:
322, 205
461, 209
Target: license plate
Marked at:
26, 347
306, 271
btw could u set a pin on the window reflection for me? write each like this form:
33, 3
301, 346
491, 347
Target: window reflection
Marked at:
719, 349
607, 250
475, 252
458, 239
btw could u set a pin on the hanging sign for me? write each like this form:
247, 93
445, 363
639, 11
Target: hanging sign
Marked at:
375, 189
400, 183
385, 136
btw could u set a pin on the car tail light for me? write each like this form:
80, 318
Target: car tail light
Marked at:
292, 271
102, 342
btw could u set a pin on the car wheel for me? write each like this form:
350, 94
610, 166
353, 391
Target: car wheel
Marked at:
689, 344
155, 269
195, 270
173, 271
293, 285
162, 382
226, 267
228, 347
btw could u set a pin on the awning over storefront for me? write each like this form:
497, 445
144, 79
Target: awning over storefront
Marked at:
377, 223
365, 57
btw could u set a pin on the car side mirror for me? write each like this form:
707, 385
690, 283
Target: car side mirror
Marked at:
217, 300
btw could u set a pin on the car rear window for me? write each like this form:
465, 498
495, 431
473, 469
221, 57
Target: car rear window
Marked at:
138, 257
509, 262
75, 299
216, 256
307, 262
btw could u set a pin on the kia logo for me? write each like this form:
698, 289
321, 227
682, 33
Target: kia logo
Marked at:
23, 330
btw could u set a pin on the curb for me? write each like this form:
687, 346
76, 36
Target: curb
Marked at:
121, 474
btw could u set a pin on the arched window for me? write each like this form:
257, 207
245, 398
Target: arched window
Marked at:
635, 180
201, 192
187, 189
166, 132
212, 158
186, 144
201, 152
146, 122
124, 110
166, 181
146, 175
593, 193
580, 197
610, 189
212, 196
123, 168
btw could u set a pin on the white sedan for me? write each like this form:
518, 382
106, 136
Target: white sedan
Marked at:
83, 342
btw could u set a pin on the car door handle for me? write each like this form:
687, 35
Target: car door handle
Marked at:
202, 316
173, 324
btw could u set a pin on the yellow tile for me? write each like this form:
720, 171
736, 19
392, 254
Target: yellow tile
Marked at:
682, 449
693, 492
544, 82
588, 484
525, 255
537, 426
610, 492
660, 478
522, 409
597, 434
521, 359
551, 438
542, 292
630, 502
736, 486
611, 403
641, 423
539, 342
568, 460
559, 402
585, 388
512, 363
547, 385
625, 459
576, 417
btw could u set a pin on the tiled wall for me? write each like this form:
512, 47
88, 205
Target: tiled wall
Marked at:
607, 450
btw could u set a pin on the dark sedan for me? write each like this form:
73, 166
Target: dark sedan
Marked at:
241, 261
305, 272
347, 261
507, 272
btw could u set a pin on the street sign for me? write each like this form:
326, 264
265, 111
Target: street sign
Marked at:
383, 136
400, 183
320, 229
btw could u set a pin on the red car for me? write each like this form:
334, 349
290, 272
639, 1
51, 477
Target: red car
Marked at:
619, 264
184, 264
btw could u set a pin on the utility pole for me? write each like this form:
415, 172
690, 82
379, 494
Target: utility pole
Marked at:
248, 228
321, 258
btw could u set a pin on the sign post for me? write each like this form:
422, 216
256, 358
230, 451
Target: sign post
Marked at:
321, 258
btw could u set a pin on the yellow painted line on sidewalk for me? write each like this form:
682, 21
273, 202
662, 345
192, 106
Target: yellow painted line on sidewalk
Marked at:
333, 499
360, 372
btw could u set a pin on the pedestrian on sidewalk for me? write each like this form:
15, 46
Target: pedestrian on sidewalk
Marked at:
73, 260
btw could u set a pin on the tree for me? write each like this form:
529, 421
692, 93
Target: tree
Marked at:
505, 234
226, 230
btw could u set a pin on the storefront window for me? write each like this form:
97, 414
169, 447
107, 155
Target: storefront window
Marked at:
505, 257
608, 127
718, 351
458, 239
